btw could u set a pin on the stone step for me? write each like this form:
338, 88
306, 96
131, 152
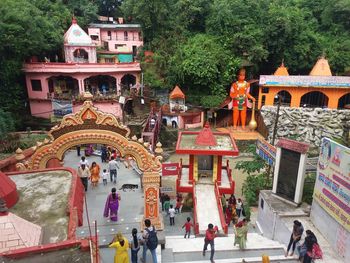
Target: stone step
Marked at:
247, 259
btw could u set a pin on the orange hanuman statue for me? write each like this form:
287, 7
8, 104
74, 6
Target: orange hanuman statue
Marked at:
240, 94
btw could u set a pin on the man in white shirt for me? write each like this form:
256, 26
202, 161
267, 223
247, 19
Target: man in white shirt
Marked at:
112, 167
84, 161
172, 215
84, 174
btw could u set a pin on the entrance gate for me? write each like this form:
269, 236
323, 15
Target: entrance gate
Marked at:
90, 125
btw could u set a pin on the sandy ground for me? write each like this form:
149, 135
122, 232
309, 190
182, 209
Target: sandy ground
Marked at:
43, 201
238, 176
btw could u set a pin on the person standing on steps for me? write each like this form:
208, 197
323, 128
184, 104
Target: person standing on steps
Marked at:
241, 232
112, 167
187, 227
112, 205
135, 243
295, 237
84, 161
172, 215
210, 235
150, 241
84, 175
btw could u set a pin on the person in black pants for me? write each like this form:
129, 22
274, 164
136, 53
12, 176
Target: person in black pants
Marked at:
298, 230
78, 150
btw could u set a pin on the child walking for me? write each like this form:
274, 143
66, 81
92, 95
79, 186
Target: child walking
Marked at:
187, 227
172, 215
104, 176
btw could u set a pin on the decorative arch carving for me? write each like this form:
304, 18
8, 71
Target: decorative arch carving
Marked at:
90, 125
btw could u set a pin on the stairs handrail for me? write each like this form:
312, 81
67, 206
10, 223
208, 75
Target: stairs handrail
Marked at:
220, 209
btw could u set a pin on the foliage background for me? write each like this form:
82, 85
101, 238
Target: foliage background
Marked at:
198, 44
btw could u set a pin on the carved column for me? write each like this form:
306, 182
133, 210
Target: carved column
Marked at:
151, 182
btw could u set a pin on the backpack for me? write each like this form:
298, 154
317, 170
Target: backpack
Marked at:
316, 252
152, 240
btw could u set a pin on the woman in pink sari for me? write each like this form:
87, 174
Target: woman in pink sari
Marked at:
112, 205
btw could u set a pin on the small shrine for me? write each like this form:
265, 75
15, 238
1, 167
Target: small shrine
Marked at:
177, 115
177, 100
206, 150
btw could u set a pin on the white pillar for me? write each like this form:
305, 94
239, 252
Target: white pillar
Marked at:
81, 86
277, 168
300, 179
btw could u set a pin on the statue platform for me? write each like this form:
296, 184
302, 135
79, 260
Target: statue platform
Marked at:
240, 134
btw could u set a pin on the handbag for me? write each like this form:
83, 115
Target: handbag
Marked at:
316, 252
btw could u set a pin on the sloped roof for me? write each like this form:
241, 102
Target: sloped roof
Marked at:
205, 136
321, 68
281, 71
177, 93
76, 36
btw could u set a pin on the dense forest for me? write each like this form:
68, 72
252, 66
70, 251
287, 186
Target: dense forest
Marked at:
198, 44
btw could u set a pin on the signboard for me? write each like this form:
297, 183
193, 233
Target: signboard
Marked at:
305, 81
61, 107
266, 151
332, 188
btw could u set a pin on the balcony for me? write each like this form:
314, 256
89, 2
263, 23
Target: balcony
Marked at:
53, 67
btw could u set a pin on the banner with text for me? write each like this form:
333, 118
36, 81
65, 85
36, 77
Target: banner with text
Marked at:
266, 151
61, 107
332, 188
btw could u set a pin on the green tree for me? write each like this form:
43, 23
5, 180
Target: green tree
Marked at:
84, 10
202, 66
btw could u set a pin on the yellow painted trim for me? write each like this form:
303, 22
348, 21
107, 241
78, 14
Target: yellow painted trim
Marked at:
215, 168
195, 168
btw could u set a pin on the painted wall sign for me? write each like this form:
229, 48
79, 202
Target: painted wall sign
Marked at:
305, 81
332, 188
266, 151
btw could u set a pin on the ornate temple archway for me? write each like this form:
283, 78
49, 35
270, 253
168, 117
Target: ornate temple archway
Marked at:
90, 125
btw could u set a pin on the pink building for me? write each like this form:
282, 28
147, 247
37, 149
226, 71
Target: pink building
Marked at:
102, 63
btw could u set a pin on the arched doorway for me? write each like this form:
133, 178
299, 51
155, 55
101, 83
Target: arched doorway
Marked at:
128, 81
91, 126
80, 56
102, 85
314, 99
63, 87
285, 96
344, 102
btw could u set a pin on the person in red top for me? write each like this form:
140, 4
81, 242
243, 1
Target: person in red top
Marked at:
210, 234
187, 227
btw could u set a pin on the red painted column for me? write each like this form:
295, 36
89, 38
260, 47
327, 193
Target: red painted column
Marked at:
190, 177
219, 168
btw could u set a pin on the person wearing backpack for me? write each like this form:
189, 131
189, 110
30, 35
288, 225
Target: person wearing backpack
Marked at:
150, 241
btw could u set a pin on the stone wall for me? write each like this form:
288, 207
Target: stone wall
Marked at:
307, 124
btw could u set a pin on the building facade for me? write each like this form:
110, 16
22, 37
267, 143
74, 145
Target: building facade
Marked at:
91, 63
318, 89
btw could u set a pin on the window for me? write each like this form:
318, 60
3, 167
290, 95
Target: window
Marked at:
265, 90
109, 33
125, 35
119, 46
140, 36
109, 60
94, 37
36, 85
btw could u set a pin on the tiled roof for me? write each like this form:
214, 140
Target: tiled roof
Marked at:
292, 145
177, 93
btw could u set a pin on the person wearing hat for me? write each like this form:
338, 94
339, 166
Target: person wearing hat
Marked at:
121, 244
295, 237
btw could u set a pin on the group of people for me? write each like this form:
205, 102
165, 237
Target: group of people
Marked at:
148, 241
309, 250
93, 172
232, 208
169, 208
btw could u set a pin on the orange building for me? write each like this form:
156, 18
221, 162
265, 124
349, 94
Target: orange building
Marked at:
318, 89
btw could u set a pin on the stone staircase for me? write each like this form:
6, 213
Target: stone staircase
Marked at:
178, 249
